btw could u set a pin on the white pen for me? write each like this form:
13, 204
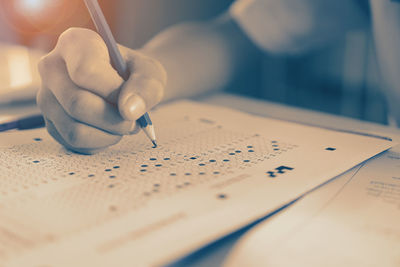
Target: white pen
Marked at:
116, 59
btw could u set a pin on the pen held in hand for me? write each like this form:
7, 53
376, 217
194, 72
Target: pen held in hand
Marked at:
116, 59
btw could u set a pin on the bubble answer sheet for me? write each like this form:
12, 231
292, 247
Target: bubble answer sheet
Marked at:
215, 171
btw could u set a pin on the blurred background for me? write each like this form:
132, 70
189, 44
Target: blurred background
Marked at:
341, 78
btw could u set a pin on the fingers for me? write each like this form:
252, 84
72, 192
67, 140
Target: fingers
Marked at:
144, 88
56, 135
81, 89
87, 60
72, 134
82, 105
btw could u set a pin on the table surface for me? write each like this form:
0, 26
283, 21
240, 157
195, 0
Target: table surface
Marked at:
283, 112
214, 254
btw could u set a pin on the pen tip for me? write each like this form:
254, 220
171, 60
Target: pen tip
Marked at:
154, 143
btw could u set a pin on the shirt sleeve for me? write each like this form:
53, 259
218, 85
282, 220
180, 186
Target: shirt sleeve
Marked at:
292, 26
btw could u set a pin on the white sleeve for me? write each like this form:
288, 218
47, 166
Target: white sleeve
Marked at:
291, 26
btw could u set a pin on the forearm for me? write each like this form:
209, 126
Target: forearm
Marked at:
201, 57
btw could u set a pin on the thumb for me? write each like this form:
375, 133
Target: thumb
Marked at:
138, 95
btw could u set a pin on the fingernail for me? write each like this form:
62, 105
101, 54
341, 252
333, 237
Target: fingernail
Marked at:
133, 108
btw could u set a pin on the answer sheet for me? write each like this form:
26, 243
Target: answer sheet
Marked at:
215, 170
352, 221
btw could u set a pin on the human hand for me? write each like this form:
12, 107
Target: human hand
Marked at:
87, 106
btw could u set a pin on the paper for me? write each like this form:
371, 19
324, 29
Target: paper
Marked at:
355, 221
215, 170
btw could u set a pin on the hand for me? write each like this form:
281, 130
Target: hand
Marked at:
87, 106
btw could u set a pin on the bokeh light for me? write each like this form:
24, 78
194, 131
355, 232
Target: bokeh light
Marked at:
39, 22
33, 7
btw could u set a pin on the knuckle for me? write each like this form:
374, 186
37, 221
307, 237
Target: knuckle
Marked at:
158, 90
78, 37
155, 70
80, 74
150, 89
162, 73
74, 34
69, 35
77, 104
147, 66
89, 70
45, 65
84, 73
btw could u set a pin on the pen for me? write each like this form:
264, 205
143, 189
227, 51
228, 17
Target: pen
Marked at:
31, 122
116, 59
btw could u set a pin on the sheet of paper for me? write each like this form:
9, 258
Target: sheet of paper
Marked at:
355, 221
216, 170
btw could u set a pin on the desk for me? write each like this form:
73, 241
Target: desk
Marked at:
215, 254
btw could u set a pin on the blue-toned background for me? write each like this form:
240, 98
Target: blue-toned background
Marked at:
341, 78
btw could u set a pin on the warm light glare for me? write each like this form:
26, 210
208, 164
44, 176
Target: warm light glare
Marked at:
19, 67
32, 6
